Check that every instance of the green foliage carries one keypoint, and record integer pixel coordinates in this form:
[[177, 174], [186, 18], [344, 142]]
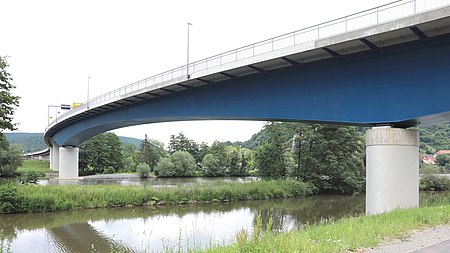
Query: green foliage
[[9, 199], [101, 154], [29, 177], [151, 151], [10, 158], [9, 103], [182, 143], [36, 198], [143, 169], [429, 169], [434, 138], [270, 157], [212, 166], [178, 164], [431, 182], [331, 157], [131, 157], [443, 161], [348, 234]]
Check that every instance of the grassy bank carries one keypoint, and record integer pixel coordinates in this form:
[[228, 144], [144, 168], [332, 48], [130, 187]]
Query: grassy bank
[[39, 166], [348, 234], [35, 198]]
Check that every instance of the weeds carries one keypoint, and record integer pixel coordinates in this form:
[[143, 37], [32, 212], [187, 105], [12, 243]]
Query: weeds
[[35, 198]]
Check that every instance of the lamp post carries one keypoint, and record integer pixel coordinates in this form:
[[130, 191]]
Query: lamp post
[[187, 65], [87, 101]]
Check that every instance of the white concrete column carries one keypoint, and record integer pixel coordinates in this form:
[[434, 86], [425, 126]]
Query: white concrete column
[[54, 157], [68, 163], [392, 169]]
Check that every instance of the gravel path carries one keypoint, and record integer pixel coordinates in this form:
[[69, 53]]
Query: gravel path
[[416, 241]]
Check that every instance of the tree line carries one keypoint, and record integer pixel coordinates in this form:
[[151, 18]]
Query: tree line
[[330, 157]]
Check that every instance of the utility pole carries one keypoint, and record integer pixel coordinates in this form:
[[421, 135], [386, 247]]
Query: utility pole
[[87, 101], [187, 65]]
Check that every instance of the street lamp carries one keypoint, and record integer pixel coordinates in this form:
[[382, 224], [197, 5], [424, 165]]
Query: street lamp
[[87, 101], [187, 65]]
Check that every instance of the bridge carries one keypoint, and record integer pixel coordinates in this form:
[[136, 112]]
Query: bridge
[[373, 68]]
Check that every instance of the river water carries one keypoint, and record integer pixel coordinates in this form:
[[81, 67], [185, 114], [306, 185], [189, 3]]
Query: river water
[[156, 229]]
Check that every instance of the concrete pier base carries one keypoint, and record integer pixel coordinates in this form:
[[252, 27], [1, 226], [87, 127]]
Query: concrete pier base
[[68, 163], [54, 157], [392, 166]]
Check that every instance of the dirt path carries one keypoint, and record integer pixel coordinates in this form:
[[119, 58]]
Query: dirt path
[[417, 240]]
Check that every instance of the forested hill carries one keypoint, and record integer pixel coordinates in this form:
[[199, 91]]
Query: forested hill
[[31, 142], [432, 138]]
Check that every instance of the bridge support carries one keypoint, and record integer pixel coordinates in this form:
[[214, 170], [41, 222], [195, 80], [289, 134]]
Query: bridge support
[[54, 157], [392, 166], [68, 162]]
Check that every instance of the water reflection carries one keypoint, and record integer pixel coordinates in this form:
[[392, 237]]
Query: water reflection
[[154, 229], [157, 228]]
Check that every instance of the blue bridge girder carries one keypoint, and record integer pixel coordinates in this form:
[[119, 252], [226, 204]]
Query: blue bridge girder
[[403, 84]]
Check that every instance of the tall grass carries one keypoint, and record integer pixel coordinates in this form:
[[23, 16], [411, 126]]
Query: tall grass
[[40, 166], [35, 198], [348, 234]]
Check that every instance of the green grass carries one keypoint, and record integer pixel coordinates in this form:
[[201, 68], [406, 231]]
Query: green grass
[[35, 198], [39, 166], [348, 234]]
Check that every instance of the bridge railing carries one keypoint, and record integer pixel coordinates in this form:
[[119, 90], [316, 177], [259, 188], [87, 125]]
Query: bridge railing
[[374, 16]]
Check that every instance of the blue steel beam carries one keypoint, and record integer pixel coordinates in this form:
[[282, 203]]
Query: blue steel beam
[[388, 87]]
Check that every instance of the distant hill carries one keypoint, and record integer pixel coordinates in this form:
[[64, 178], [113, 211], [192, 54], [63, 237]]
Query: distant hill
[[31, 142], [432, 138]]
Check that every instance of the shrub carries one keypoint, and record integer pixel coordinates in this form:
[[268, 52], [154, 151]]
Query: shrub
[[9, 199], [212, 166], [30, 177], [178, 164], [143, 169], [434, 183]]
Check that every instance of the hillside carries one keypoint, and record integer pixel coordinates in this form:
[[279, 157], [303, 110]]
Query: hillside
[[432, 138], [31, 142]]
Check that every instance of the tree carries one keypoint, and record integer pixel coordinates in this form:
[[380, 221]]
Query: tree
[[330, 157], [8, 101], [211, 166], [443, 161], [101, 154], [10, 158], [131, 157], [182, 143], [178, 164], [151, 151], [269, 158]]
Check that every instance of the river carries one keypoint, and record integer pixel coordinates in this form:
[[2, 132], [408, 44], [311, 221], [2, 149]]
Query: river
[[156, 229]]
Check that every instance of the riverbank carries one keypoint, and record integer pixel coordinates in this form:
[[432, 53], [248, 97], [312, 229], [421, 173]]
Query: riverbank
[[353, 234], [36, 198]]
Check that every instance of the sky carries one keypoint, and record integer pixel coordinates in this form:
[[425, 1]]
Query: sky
[[54, 46]]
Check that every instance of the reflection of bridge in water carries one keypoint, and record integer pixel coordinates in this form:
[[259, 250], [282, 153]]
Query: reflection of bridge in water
[[76, 231]]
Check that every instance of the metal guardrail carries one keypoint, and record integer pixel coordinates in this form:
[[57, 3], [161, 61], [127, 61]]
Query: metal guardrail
[[374, 16]]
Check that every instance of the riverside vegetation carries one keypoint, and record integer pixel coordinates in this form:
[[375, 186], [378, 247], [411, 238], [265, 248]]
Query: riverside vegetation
[[35, 198]]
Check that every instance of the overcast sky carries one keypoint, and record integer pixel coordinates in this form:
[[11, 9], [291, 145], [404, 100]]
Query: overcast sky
[[53, 46]]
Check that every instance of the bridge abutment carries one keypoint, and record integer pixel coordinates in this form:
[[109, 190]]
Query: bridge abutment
[[68, 162], [54, 157], [392, 169]]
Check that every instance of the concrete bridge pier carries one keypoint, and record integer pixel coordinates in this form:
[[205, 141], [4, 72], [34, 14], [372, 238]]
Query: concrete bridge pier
[[392, 169], [68, 162], [54, 157]]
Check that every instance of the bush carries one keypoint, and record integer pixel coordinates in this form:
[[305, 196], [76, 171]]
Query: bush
[[10, 159], [143, 169], [178, 164], [30, 177], [9, 199], [434, 183], [212, 166]]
